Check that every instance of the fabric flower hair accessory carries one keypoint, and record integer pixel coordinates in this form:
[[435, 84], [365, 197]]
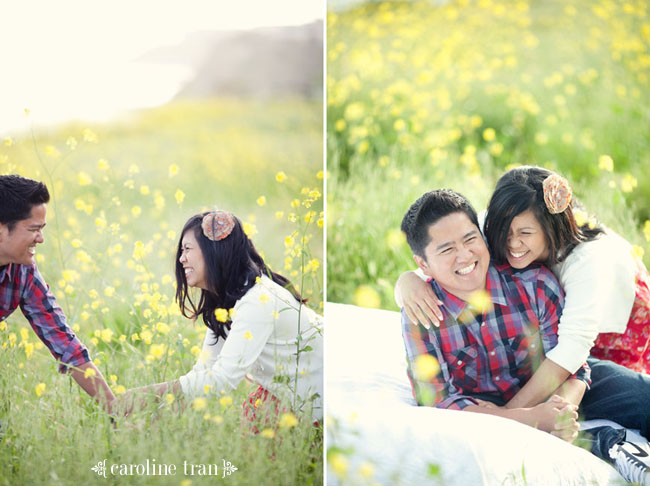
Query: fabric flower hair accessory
[[557, 193], [217, 225]]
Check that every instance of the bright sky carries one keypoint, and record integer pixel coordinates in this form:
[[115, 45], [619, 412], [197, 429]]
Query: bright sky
[[73, 58]]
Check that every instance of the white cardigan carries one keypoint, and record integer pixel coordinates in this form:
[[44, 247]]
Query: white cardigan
[[598, 278], [262, 345]]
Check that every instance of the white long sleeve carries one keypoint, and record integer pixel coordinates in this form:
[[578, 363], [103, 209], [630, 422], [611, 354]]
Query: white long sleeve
[[598, 278], [262, 344]]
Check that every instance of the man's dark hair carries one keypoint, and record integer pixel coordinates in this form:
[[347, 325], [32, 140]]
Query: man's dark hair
[[18, 195], [427, 210]]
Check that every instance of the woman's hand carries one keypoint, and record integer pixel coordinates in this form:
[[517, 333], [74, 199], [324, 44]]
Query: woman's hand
[[418, 300]]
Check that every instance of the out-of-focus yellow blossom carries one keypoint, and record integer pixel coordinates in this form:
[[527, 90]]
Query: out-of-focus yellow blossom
[[426, 367], [339, 464], [173, 170], [280, 176], [119, 389], [366, 296], [89, 373], [248, 335], [605, 162], [221, 315], [287, 421], [39, 389], [629, 183], [261, 201], [267, 433], [84, 179], [225, 401], [480, 300], [199, 404], [179, 196]]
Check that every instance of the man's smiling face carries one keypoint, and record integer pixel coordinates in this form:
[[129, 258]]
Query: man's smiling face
[[456, 256], [19, 244]]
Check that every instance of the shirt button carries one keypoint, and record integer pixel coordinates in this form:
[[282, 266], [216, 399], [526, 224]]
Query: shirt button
[[482, 324], [532, 346], [492, 353], [497, 378], [459, 362]]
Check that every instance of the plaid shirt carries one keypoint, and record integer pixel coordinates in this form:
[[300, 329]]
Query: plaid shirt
[[23, 285], [489, 355]]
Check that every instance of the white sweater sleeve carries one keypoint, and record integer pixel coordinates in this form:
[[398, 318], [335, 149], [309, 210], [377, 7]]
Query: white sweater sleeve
[[225, 368], [598, 279]]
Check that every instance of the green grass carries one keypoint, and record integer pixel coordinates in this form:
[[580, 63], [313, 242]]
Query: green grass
[[423, 96], [108, 255]]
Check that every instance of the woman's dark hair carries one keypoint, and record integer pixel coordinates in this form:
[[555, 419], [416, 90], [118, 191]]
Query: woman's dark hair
[[519, 190], [231, 267], [18, 195]]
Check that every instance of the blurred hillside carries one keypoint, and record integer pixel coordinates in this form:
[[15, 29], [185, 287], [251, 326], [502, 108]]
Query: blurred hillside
[[262, 63]]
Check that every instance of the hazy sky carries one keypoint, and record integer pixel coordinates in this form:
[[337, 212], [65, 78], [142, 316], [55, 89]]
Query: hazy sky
[[68, 58]]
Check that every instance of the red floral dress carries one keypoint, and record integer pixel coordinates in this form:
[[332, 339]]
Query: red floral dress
[[632, 348]]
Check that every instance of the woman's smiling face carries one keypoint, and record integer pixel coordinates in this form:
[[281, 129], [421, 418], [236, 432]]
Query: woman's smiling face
[[526, 241], [192, 260]]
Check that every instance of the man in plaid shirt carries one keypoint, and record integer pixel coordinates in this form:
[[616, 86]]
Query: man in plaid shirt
[[22, 219], [498, 322]]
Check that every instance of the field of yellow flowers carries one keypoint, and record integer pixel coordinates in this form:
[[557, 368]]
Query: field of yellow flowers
[[121, 193], [423, 95]]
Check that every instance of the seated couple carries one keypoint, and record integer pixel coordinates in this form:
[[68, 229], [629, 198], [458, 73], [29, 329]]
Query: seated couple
[[523, 352], [255, 317]]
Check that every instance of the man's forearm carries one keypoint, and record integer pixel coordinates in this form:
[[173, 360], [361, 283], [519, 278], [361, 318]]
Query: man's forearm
[[93, 383]]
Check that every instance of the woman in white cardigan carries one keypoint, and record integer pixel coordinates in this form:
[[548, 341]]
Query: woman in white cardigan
[[531, 218], [257, 322]]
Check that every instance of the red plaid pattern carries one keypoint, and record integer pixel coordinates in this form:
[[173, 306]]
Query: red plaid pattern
[[490, 354], [23, 286]]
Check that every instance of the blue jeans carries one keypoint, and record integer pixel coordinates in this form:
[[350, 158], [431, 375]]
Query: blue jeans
[[617, 394]]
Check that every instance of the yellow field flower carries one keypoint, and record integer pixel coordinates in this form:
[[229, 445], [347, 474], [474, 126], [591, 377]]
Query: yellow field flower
[[84, 179], [169, 398], [53, 152], [261, 201], [339, 464], [606, 163], [395, 239], [248, 335], [217, 419], [646, 230], [173, 170], [157, 351], [366, 470], [267, 433], [280, 176], [250, 229], [8, 142], [366, 296], [480, 300], [107, 335], [119, 389], [179, 196], [287, 421], [89, 135], [109, 291], [89, 373], [264, 298], [39, 389], [629, 183], [225, 401], [195, 350], [29, 349], [199, 404], [426, 367], [221, 315]]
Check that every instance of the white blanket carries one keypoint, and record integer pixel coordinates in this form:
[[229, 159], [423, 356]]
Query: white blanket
[[384, 438]]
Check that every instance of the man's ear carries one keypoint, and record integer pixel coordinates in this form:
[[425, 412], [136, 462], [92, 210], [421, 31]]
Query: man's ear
[[4, 232], [420, 262]]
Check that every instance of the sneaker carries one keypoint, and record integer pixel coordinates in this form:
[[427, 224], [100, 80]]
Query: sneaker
[[632, 460]]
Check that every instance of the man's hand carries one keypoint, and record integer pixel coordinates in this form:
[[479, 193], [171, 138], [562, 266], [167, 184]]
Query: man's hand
[[558, 417]]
